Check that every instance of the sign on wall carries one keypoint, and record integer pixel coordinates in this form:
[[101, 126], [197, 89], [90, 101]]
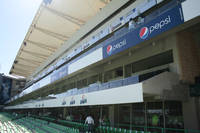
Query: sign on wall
[[160, 24]]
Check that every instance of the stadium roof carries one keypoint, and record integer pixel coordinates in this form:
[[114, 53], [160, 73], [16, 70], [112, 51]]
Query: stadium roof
[[54, 23]]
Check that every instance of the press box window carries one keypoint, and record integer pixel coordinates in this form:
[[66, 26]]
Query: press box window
[[118, 72], [153, 61]]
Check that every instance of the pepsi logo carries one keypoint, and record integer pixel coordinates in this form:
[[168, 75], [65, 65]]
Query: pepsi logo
[[112, 48], [109, 49], [144, 32]]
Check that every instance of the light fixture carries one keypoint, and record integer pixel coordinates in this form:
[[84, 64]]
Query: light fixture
[[15, 61]]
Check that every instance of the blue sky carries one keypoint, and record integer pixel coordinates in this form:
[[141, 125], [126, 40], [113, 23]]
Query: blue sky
[[15, 18]]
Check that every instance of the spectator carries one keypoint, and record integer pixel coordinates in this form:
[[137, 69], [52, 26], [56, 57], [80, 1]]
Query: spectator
[[155, 120], [131, 24], [69, 117], [105, 121], [90, 121], [100, 121]]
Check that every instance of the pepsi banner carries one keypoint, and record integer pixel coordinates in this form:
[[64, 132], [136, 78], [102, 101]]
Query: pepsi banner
[[166, 21]]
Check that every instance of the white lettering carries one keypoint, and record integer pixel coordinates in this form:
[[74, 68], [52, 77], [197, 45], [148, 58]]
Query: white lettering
[[119, 45], [160, 25]]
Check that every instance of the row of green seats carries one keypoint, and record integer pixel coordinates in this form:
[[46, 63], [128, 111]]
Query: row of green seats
[[57, 126], [8, 126], [22, 128], [49, 127], [73, 124], [48, 118], [23, 125], [64, 128]]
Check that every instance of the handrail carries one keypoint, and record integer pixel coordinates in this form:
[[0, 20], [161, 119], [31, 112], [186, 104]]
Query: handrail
[[162, 129]]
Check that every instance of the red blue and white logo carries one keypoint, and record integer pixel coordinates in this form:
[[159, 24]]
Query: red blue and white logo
[[109, 49], [144, 32]]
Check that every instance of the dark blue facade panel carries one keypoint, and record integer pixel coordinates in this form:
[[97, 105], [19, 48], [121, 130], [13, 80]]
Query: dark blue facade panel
[[131, 80], [60, 73], [5, 88]]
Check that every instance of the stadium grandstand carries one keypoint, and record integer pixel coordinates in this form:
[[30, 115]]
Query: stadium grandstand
[[132, 65]]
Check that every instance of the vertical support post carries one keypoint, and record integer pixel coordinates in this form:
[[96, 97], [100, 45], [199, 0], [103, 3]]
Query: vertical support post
[[101, 112], [64, 112], [131, 116], [103, 74], [145, 114], [123, 71], [163, 108]]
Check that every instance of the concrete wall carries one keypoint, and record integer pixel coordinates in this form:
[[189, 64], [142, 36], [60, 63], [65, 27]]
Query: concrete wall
[[188, 56], [190, 114]]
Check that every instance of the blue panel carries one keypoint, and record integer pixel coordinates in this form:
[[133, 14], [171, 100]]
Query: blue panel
[[104, 86], [93, 88], [131, 80], [165, 21], [63, 71], [60, 73], [116, 83]]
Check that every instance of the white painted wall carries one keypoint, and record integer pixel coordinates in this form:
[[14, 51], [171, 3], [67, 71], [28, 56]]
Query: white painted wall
[[125, 94], [45, 81], [87, 60], [157, 84], [191, 9]]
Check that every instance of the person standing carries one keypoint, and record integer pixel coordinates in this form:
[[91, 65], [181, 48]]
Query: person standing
[[90, 121]]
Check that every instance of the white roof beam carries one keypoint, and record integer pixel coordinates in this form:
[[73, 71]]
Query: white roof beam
[[43, 46], [27, 66], [105, 1], [20, 73], [72, 19], [30, 61], [51, 33], [23, 70], [39, 55]]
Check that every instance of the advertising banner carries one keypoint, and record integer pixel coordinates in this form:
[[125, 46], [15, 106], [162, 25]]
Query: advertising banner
[[166, 21]]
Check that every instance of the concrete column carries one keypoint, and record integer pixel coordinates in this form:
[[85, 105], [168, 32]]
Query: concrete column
[[190, 115], [111, 114], [64, 112], [188, 56], [114, 115]]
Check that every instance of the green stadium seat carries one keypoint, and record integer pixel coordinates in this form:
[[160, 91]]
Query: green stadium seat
[[39, 130]]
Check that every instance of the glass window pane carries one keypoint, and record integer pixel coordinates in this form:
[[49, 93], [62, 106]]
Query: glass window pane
[[124, 116], [173, 114], [138, 116]]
